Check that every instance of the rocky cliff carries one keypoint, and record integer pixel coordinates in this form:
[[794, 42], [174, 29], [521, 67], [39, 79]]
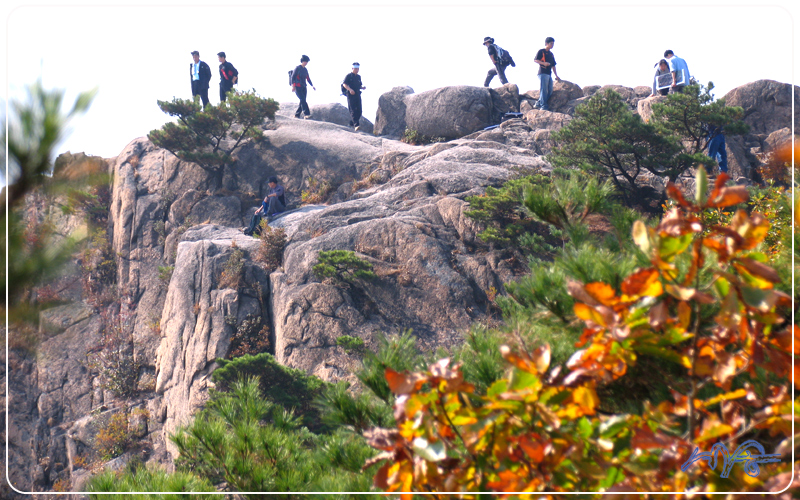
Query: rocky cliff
[[398, 206]]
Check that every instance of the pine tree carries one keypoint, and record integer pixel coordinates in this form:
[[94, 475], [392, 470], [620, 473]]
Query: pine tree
[[210, 137]]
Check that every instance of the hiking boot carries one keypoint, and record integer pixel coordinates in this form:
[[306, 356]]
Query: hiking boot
[[307, 117], [358, 127]]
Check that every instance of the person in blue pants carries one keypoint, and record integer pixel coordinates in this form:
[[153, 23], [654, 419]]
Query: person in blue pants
[[716, 148], [273, 204], [547, 65]]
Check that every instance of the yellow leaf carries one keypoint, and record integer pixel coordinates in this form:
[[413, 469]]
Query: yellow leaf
[[586, 398]]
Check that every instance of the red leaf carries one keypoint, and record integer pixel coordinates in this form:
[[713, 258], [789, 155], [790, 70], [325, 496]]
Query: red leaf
[[728, 196]]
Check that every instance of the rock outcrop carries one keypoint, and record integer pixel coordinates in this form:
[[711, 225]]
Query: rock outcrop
[[330, 113], [173, 231]]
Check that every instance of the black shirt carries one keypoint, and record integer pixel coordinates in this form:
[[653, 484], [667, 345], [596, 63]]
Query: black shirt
[[493, 51], [227, 72], [353, 81], [545, 56]]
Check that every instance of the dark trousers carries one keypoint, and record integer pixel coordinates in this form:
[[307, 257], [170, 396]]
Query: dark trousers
[[354, 105], [499, 70], [201, 89], [224, 88], [302, 92], [255, 222], [718, 153]]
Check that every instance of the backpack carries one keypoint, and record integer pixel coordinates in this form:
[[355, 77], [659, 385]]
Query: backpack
[[290, 77], [344, 90], [504, 56]]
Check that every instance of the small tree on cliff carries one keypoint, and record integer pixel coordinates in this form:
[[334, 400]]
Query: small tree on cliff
[[607, 138], [209, 138]]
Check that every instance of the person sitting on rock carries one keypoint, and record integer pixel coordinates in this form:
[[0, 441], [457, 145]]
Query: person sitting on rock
[[273, 204]]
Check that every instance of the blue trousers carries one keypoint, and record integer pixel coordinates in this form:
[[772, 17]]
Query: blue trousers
[[545, 89], [716, 150]]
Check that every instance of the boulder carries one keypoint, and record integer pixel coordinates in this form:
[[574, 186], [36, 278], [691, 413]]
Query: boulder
[[331, 113], [505, 98], [449, 112], [628, 94], [541, 119], [391, 116], [767, 105], [563, 92], [590, 90], [645, 106]]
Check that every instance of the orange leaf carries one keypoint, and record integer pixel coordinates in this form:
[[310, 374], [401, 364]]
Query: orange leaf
[[602, 292], [684, 314], [577, 292], [588, 313], [533, 449], [645, 439], [675, 193], [728, 196], [402, 383], [642, 283], [586, 398]]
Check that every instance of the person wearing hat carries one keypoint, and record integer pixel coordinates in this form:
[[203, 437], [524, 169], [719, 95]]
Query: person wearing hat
[[352, 84], [298, 80], [273, 204], [499, 66], [228, 76], [200, 75]]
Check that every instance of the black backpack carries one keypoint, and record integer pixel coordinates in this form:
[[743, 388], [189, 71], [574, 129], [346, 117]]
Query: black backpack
[[504, 56], [344, 90]]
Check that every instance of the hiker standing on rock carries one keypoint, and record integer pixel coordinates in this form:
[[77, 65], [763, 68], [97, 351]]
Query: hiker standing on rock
[[352, 84], [547, 64], [501, 60], [680, 71], [200, 75], [228, 76], [298, 80]]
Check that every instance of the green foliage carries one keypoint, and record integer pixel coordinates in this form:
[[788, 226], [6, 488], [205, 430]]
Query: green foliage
[[413, 137], [398, 352], [143, 480], [502, 211], [284, 386], [687, 116], [607, 138], [342, 266], [209, 137], [360, 412], [165, 273], [252, 444], [350, 344], [231, 276], [569, 198], [113, 438], [270, 252]]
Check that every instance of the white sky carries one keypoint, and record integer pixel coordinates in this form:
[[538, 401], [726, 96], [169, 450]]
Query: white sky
[[135, 55]]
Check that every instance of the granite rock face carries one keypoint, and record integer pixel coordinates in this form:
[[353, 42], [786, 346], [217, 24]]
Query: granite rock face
[[174, 233]]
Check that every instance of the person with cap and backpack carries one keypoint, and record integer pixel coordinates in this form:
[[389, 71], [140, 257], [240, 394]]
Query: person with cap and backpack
[[228, 76], [547, 65], [273, 204], [200, 76], [351, 87], [501, 60], [297, 79]]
